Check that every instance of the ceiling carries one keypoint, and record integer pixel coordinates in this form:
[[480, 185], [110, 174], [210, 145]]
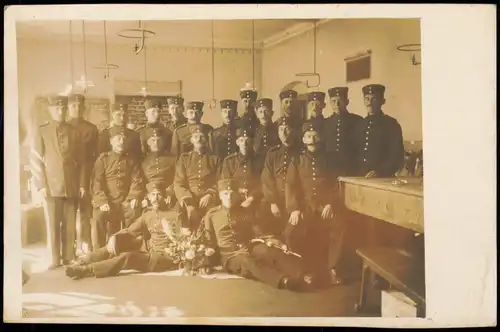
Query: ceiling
[[193, 33]]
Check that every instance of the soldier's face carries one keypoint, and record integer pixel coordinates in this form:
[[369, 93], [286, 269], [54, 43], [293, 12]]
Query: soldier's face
[[247, 103], [338, 104], [244, 144], [311, 138], [373, 103], [118, 118], [285, 133], [75, 110], [264, 114], [315, 108], [175, 110], [155, 198], [228, 115], [153, 114], [228, 198], [198, 140], [193, 115], [286, 105], [118, 143], [58, 113], [155, 144], [131, 126]]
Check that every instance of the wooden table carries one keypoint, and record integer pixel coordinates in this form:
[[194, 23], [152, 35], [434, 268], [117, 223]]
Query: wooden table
[[401, 205]]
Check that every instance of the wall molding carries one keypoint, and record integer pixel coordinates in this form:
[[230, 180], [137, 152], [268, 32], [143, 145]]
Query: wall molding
[[293, 31]]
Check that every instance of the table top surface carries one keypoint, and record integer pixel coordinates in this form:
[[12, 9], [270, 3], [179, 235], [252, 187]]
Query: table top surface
[[407, 185]]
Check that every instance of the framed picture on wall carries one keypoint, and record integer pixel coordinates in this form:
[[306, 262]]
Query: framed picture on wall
[[358, 67]]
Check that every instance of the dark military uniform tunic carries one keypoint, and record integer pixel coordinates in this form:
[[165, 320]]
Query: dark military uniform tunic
[[230, 231], [265, 138], [159, 168], [340, 142], [250, 121], [379, 145], [225, 140], [181, 140], [171, 126], [133, 142], [195, 176], [146, 131], [117, 181], [155, 259], [246, 171]]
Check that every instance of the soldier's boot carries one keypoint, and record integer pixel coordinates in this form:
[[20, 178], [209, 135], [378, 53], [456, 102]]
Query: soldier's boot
[[304, 284], [78, 271]]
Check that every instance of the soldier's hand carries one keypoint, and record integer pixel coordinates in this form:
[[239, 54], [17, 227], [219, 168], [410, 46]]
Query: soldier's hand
[[111, 246], [205, 200], [247, 202], [82, 192], [43, 192], [133, 203], [104, 207], [168, 200], [327, 212], [278, 243], [144, 203], [371, 174], [275, 210], [294, 217]]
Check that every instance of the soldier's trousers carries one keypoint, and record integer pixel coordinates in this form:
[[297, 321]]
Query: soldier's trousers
[[61, 212], [105, 265], [270, 223], [269, 265], [105, 224], [84, 205]]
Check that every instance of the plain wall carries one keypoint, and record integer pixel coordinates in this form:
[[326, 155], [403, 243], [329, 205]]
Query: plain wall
[[339, 39]]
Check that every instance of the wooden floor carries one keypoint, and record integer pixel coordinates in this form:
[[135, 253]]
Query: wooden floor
[[51, 294]]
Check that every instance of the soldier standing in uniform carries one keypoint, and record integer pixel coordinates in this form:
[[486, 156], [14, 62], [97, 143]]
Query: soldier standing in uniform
[[249, 119], [379, 138], [273, 177], [117, 189], [315, 106], [159, 167], [181, 140], [177, 118], [123, 248], [229, 229], [195, 180], [89, 135], [153, 108], [316, 223], [340, 132], [244, 169], [225, 135], [118, 120], [266, 135], [57, 164]]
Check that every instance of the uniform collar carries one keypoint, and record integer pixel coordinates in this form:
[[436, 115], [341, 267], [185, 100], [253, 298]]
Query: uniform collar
[[245, 157], [376, 115]]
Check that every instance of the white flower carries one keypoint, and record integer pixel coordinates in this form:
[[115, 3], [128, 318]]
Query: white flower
[[185, 231], [209, 252], [189, 254]]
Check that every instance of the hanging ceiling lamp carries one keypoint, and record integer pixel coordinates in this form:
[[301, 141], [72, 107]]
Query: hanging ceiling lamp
[[106, 66], [314, 73], [213, 102], [251, 86], [84, 83], [144, 90], [140, 34]]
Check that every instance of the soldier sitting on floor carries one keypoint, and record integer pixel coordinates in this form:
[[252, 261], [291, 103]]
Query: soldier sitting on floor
[[123, 249], [245, 250]]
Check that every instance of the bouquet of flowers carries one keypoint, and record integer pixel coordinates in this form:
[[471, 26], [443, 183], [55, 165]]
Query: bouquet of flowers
[[190, 252]]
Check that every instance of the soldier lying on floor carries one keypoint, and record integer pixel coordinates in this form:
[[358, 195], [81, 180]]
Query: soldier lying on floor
[[229, 229], [123, 251]]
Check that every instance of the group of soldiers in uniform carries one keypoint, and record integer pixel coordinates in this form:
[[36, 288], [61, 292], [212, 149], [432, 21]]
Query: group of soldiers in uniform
[[263, 193]]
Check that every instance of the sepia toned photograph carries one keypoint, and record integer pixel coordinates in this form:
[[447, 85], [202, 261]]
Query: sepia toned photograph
[[190, 168]]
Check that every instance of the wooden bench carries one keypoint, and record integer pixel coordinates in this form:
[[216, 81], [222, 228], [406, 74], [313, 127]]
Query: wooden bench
[[401, 270]]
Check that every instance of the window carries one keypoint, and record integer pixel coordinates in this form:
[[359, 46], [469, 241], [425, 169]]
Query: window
[[358, 67]]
